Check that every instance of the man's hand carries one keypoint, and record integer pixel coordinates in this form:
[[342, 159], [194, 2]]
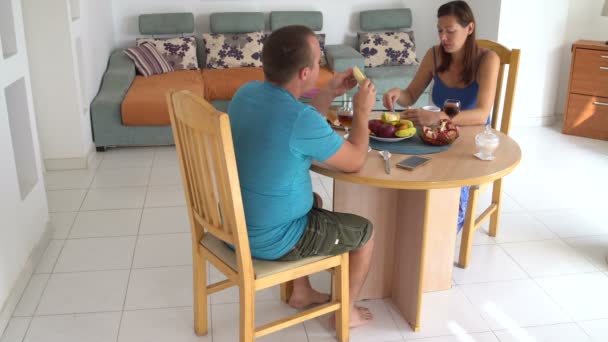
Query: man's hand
[[365, 98], [421, 117], [342, 82]]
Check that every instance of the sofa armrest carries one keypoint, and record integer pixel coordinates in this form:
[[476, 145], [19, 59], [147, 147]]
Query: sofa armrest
[[342, 57], [116, 81]]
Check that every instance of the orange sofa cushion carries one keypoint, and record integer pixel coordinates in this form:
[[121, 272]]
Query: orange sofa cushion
[[221, 84], [145, 104]]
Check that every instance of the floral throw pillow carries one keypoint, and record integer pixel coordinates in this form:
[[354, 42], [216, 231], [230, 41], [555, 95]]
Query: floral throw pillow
[[180, 52], [387, 48], [233, 50]]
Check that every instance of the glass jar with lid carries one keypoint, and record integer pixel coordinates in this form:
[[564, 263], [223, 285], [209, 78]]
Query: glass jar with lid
[[486, 142]]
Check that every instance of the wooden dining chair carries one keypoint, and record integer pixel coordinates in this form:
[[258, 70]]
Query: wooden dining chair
[[208, 167], [508, 58]]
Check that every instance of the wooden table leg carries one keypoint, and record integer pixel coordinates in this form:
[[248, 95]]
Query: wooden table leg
[[425, 248], [415, 238]]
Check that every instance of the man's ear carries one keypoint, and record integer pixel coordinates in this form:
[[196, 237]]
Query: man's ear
[[304, 73]]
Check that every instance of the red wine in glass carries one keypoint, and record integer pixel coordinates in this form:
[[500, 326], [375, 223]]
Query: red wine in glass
[[451, 107]]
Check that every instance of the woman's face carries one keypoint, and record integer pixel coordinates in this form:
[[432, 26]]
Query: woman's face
[[451, 35]]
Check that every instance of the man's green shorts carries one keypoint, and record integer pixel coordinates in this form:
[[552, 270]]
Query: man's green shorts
[[330, 233]]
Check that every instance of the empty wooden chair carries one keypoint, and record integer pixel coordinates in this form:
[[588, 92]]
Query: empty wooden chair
[[472, 221]]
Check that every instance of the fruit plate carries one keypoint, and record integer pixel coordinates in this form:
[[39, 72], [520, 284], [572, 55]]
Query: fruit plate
[[389, 139], [340, 127]]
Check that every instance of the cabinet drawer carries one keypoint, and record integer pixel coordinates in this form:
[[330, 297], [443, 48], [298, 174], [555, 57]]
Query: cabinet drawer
[[590, 72], [587, 116]]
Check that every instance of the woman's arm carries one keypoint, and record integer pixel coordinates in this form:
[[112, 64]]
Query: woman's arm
[[409, 96], [487, 77]]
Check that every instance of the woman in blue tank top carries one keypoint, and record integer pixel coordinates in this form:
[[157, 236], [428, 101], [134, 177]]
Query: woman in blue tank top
[[460, 69]]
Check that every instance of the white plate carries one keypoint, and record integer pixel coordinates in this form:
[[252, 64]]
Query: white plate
[[389, 139]]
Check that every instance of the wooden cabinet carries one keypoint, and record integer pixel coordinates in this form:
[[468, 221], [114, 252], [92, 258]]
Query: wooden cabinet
[[586, 111]]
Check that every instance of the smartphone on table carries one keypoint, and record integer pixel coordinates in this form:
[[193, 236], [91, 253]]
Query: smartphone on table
[[411, 163]]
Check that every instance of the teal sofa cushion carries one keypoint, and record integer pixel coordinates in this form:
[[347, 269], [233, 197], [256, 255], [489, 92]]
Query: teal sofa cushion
[[310, 19], [387, 77], [386, 20], [166, 23], [342, 57], [236, 22]]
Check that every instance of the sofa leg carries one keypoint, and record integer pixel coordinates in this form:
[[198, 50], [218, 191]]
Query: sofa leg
[[101, 148]]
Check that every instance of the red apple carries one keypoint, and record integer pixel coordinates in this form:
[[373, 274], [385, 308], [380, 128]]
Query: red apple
[[386, 130], [373, 125]]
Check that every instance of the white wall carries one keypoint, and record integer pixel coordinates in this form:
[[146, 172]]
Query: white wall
[[538, 29], [97, 32], [340, 18], [584, 22], [487, 16], [23, 221], [70, 42], [93, 41]]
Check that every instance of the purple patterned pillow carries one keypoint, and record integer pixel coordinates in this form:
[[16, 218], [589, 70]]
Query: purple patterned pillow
[[387, 48], [147, 60], [233, 50], [180, 52], [320, 37]]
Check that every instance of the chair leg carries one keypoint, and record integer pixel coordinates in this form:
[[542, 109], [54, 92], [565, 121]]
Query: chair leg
[[496, 199], [468, 228], [199, 266], [286, 291], [340, 293], [247, 314]]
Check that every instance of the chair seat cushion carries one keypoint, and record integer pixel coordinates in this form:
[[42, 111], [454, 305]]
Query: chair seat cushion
[[261, 268], [145, 104], [387, 77]]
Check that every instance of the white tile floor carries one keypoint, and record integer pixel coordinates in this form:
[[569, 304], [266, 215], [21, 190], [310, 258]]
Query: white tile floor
[[118, 267]]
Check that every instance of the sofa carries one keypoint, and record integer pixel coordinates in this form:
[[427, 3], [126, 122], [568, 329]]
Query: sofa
[[383, 77], [131, 110]]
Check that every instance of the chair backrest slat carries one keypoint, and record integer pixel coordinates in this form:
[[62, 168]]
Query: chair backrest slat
[[204, 178], [510, 58], [204, 144]]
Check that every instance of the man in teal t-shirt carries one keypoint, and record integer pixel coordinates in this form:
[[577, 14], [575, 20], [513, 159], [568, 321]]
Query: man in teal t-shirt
[[276, 138]]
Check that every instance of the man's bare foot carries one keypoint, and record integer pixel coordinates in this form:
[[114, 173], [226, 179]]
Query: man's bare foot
[[365, 312], [358, 316], [307, 297]]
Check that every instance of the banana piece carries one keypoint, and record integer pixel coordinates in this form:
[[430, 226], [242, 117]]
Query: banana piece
[[358, 75]]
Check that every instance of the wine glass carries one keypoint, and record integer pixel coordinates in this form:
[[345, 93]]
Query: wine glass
[[451, 107], [345, 116]]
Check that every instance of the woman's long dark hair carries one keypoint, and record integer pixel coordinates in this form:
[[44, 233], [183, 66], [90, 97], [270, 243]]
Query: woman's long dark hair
[[464, 15]]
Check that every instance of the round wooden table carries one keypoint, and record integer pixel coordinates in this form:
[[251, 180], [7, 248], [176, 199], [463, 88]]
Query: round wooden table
[[415, 215]]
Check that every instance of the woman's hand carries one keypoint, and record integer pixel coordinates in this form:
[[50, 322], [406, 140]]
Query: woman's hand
[[421, 117], [390, 97]]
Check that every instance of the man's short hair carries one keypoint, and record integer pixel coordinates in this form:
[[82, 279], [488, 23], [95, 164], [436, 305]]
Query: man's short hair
[[285, 52]]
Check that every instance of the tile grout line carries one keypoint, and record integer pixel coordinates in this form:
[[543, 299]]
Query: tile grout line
[[141, 214], [105, 311], [115, 209], [29, 325], [118, 236], [540, 287]]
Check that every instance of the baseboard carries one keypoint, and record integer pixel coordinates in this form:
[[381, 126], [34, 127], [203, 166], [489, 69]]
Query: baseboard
[[59, 164], [24, 277]]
